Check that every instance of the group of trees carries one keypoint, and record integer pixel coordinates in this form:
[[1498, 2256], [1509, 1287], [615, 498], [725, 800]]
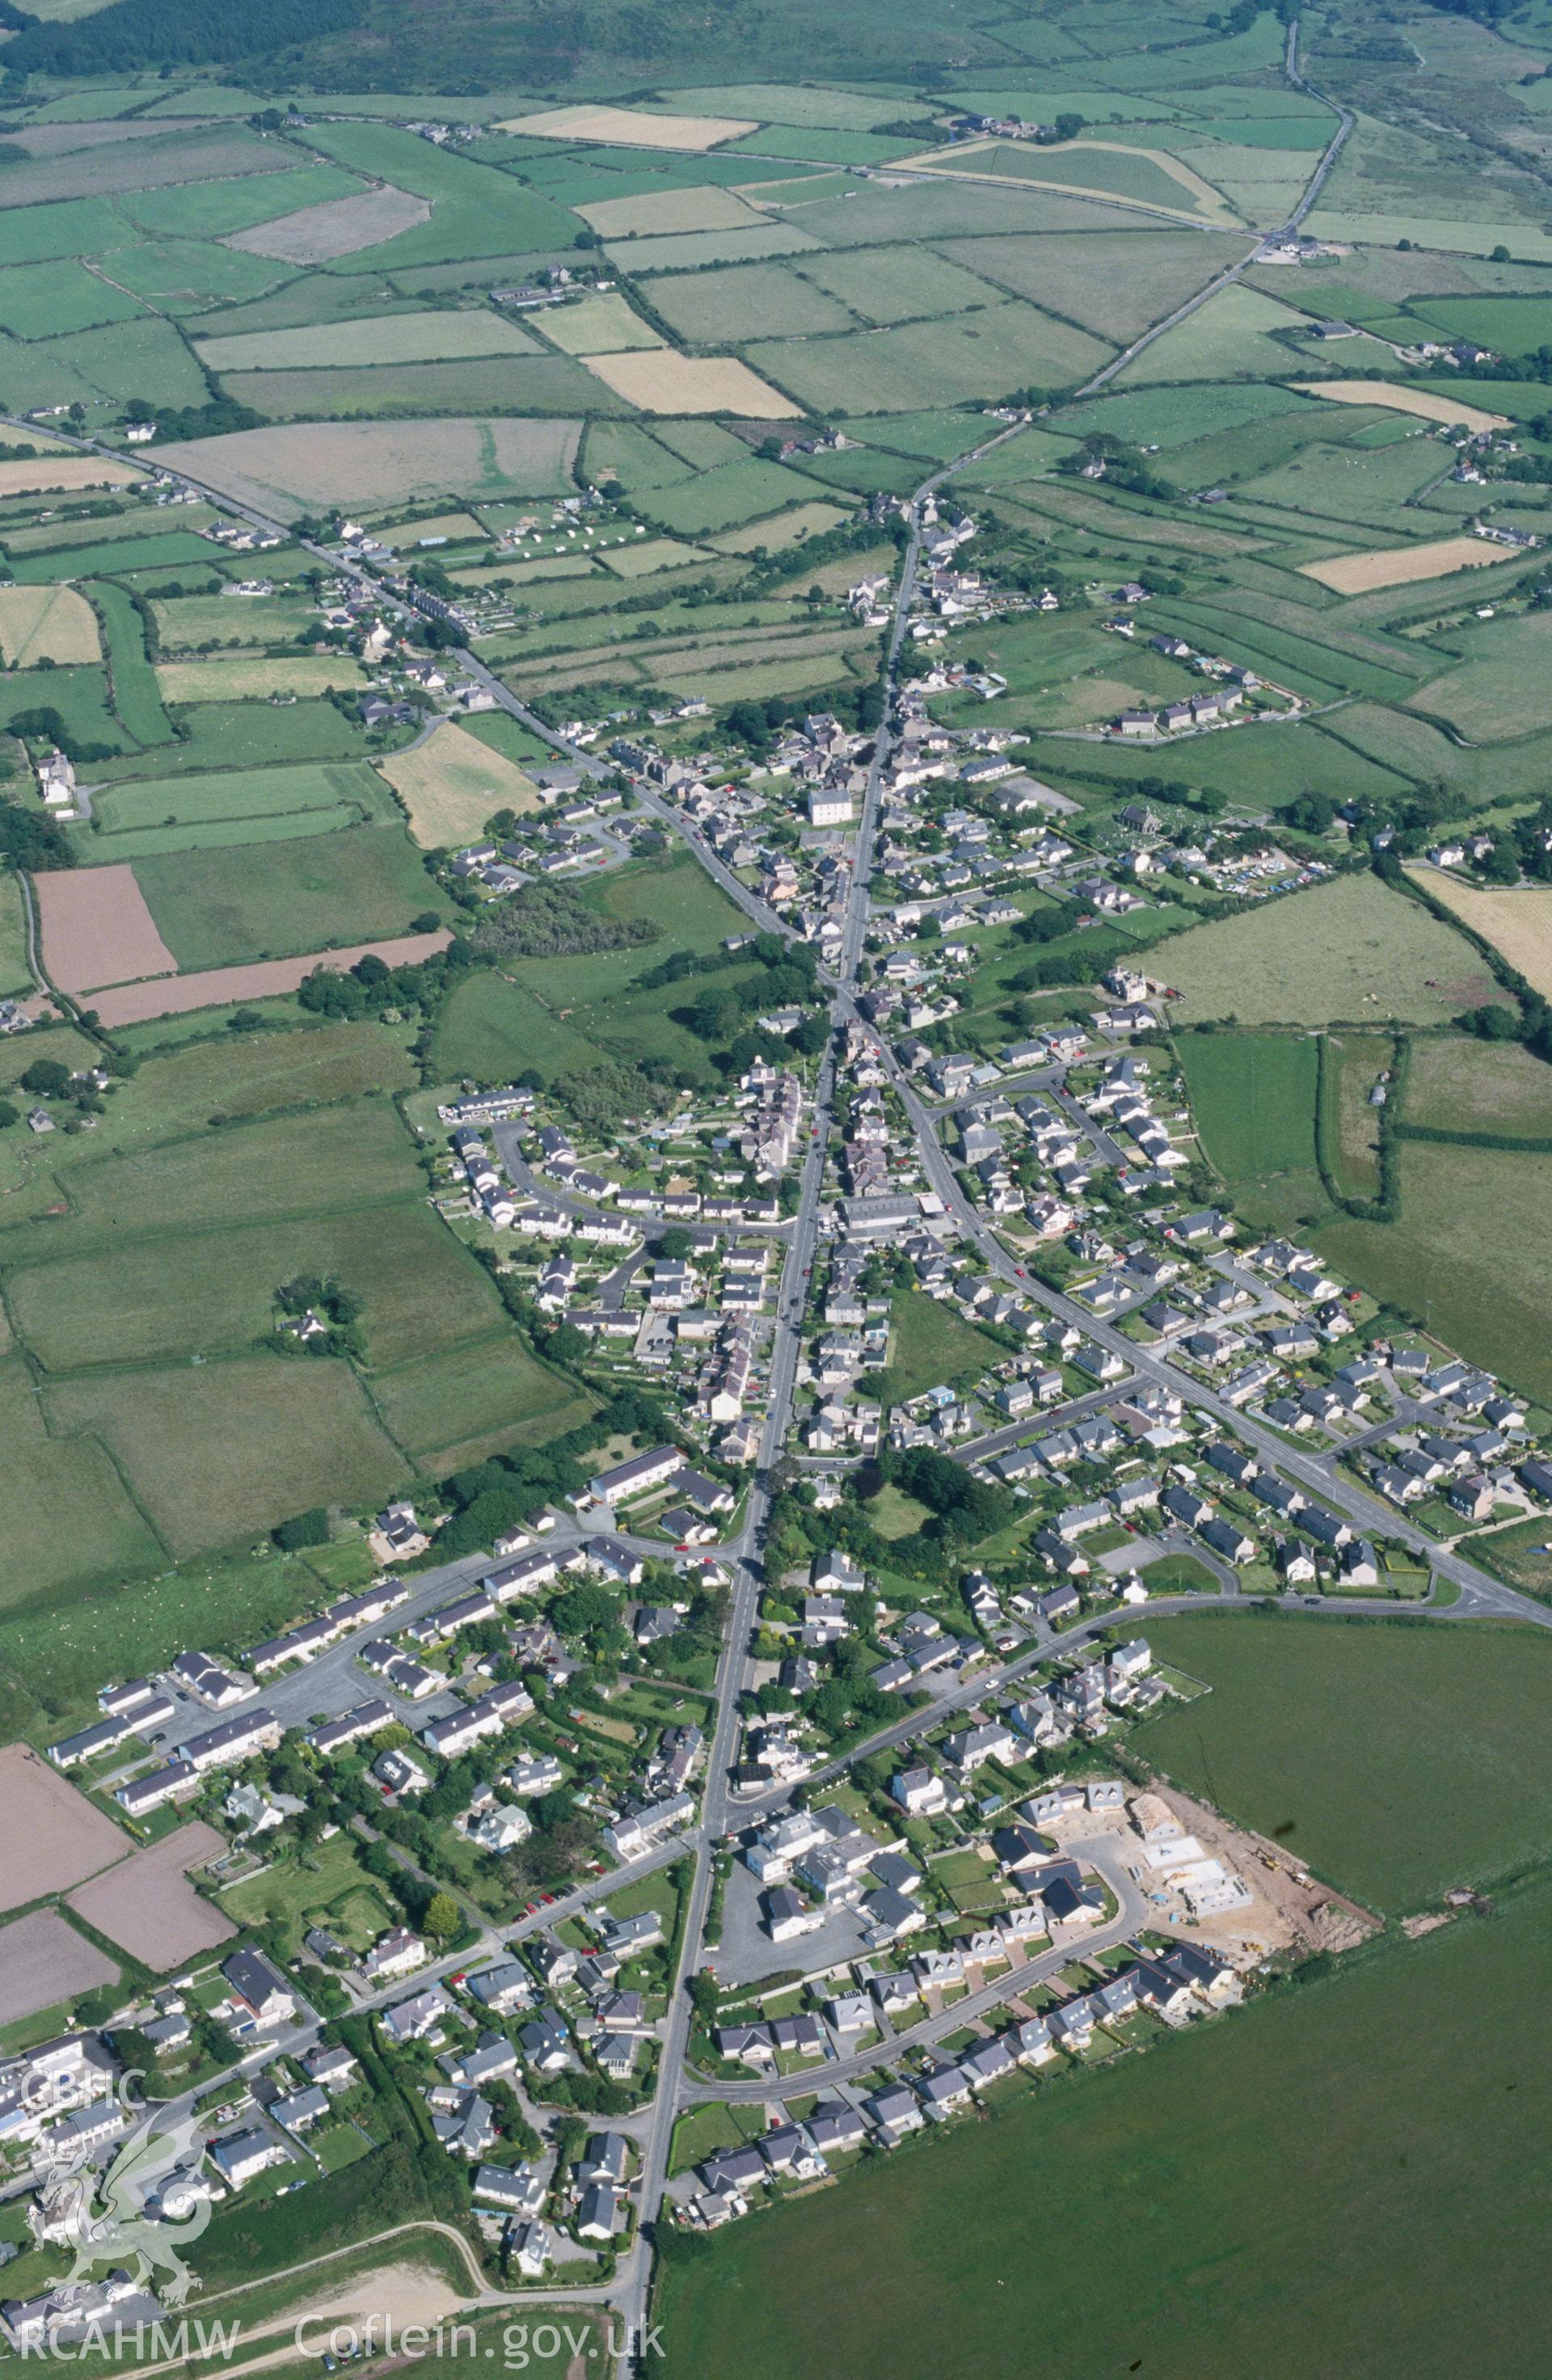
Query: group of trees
[[551, 921], [371, 985], [333, 1305], [502, 1493]]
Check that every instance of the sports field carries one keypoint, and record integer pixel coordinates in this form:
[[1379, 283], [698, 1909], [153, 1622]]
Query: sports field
[[1349, 952], [1311, 2169]]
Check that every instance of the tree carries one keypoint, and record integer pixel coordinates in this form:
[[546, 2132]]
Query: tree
[[442, 1917], [45, 1077], [9, 1115], [304, 1529], [583, 1608], [676, 1244], [1311, 813]]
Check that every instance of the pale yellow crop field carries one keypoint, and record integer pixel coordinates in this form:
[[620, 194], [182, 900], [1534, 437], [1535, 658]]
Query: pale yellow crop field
[[242, 677], [629, 127], [1397, 398], [1399, 566], [788, 528], [52, 624], [661, 380], [704, 208], [451, 783], [46, 472], [596, 325]]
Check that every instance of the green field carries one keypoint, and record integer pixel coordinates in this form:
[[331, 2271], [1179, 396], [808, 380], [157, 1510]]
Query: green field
[[270, 1170], [528, 384], [1226, 339], [930, 1346], [45, 1476], [41, 300], [131, 679], [1350, 951], [213, 908], [881, 286], [184, 276], [1469, 1086], [1389, 1758], [456, 1407], [724, 495], [490, 1029], [1502, 688], [1470, 1221], [273, 1437], [1113, 284], [746, 301], [1252, 1096], [279, 794], [975, 356], [1312, 2169], [206, 1294], [15, 974]]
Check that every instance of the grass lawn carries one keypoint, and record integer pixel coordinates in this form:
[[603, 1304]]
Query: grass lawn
[[14, 973], [1311, 2170], [1252, 1096], [1179, 1574], [1347, 952], [1391, 1760], [895, 1514], [929, 1345], [330, 1887]]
